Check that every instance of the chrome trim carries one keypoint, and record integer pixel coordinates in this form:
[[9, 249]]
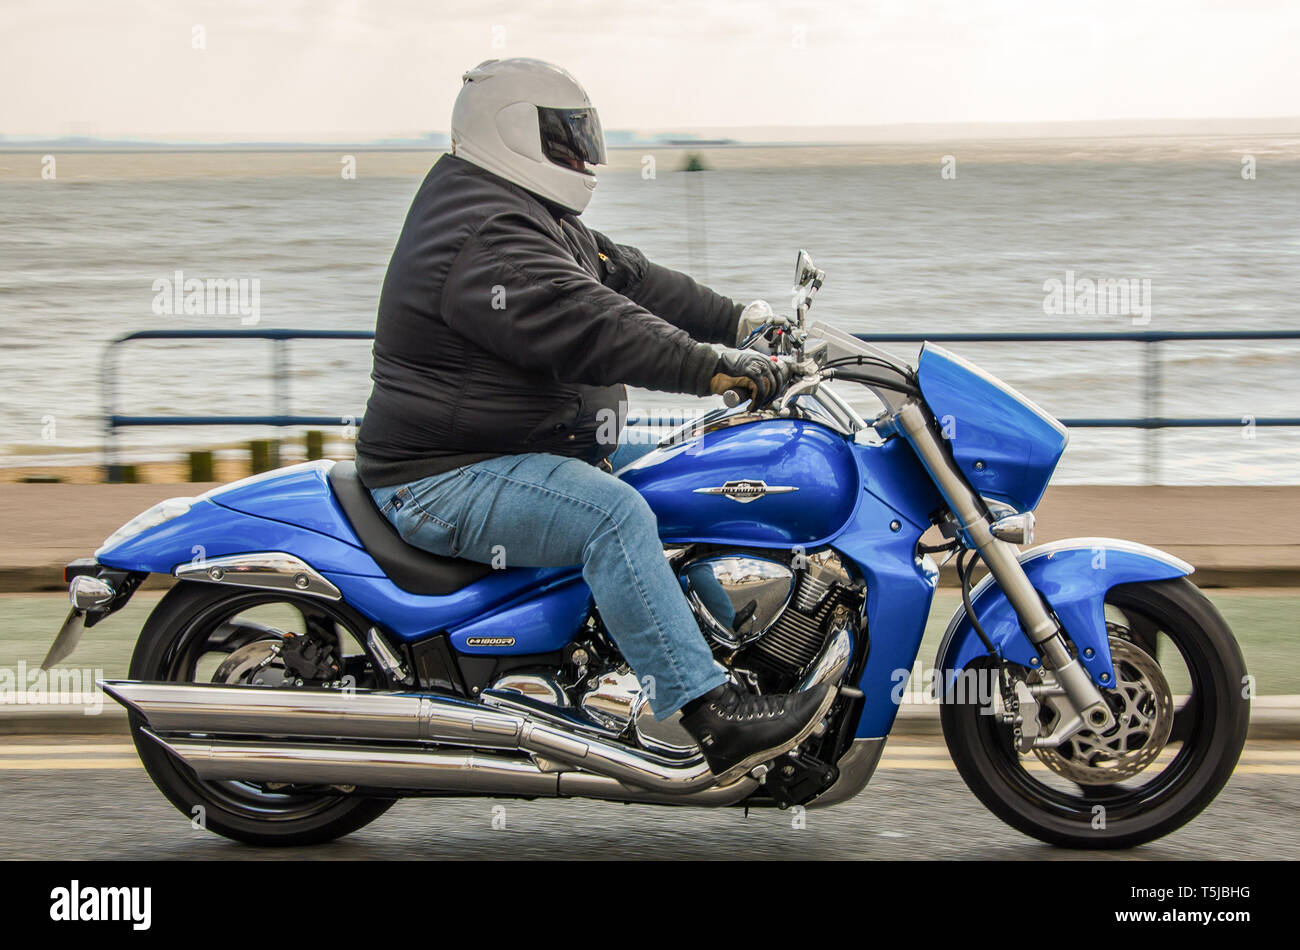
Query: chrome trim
[[433, 770], [831, 662], [831, 399], [506, 698], [586, 785], [390, 662], [667, 736], [270, 570], [1014, 529], [856, 766], [533, 685], [745, 490], [768, 585], [375, 766], [210, 709], [87, 593], [612, 699], [711, 422]]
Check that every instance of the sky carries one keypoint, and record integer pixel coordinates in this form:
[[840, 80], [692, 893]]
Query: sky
[[352, 70]]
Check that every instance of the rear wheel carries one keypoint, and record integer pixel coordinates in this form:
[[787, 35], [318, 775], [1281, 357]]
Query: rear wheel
[[203, 634], [1181, 710]]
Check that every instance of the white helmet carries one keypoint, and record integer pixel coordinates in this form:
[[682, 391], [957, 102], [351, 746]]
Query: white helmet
[[531, 123]]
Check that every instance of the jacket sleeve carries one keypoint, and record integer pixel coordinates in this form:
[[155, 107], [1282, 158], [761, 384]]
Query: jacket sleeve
[[516, 290], [707, 316]]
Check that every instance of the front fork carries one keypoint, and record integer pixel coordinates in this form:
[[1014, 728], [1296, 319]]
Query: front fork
[[1086, 704]]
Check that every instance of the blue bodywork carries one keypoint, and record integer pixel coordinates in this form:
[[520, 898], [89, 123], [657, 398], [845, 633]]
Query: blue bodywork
[[870, 500], [1005, 445], [1074, 576], [293, 510], [785, 453]]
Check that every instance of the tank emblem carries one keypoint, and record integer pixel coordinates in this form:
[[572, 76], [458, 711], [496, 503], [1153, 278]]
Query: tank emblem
[[745, 490], [490, 641]]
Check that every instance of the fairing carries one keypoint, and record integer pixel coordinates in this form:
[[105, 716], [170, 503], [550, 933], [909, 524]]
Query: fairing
[[1006, 446]]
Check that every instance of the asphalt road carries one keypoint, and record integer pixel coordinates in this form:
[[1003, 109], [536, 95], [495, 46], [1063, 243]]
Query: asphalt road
[[87, 798]]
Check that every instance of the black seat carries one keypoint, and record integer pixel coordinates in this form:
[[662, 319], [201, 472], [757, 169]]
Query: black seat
[[413, 570]]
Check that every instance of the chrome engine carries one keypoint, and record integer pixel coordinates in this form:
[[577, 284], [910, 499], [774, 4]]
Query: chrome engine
[[779, 623], [772, 617]]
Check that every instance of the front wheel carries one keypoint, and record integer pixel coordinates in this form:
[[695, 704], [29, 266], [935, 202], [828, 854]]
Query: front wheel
[[1181, 707], [200, 633]]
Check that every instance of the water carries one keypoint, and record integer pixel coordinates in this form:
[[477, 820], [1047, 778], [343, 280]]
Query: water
[[905, 250]]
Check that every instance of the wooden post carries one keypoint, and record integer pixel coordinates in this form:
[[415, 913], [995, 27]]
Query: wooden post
[[201, 468], [123, 474], [315, 445], [261, 455]]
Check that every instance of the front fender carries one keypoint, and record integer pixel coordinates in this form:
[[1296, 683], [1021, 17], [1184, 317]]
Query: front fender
[[1074, 576]]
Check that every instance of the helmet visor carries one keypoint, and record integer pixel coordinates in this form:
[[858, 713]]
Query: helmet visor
[[571, 137]]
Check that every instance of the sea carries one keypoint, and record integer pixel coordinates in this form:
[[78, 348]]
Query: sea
[[1113, 235]]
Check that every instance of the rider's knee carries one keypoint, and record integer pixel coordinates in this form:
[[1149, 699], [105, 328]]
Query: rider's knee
[[629, 512]]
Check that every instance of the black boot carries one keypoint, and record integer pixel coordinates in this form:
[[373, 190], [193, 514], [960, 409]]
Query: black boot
[[737, 730]]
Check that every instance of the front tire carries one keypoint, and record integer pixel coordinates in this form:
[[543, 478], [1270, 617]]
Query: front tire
[[1170, 621], [189, 620]]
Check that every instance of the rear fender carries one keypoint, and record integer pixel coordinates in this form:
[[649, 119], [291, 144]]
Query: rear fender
[[1074, 576], [209, 530]]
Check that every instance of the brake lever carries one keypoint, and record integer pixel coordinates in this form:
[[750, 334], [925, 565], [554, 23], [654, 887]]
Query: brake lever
[[812, 377]]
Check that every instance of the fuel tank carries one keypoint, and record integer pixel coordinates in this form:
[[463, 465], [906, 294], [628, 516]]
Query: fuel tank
[[767, 482]]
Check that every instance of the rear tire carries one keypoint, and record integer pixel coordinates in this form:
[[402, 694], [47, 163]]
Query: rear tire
[[233, 810], [1210, 727]]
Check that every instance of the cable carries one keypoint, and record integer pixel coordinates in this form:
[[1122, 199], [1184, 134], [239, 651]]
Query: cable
[[963, 574], [900, 384]]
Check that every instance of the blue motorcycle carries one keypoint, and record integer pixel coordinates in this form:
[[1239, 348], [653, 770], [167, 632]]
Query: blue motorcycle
[[309, 668]]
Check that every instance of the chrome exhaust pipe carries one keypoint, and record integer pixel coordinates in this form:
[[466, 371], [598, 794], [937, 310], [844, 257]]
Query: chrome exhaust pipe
[[416, 770], [216, 710]]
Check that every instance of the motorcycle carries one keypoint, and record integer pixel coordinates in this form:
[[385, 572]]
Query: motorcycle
[[309, 668]]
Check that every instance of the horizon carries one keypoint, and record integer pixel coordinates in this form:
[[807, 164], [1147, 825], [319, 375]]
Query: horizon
[[733, 136]]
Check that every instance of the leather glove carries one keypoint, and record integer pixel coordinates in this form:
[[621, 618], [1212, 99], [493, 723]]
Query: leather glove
[[756, 373], [755, 315]]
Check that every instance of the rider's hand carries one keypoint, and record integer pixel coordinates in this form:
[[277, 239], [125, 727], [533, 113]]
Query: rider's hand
[[756, 315], [756, 373]]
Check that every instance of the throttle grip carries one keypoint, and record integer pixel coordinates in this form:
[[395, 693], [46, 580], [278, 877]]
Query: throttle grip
[[734, 397]]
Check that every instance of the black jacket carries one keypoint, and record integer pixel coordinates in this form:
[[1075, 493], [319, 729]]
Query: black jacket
[[508, 326]]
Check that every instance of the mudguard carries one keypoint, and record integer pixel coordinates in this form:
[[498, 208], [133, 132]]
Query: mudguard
[[1074, 575]]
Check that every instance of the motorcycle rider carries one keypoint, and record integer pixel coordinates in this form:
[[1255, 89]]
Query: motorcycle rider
[[506, 333]]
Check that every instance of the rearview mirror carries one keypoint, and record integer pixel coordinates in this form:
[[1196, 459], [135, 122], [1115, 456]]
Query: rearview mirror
[[804, 269]]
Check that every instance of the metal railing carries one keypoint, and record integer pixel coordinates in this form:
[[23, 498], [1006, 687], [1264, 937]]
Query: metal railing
[[1153, 421]]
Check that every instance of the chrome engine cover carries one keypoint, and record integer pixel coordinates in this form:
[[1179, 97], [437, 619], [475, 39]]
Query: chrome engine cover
[[782, 613], [617, 702], [738, 596], [535, 686]]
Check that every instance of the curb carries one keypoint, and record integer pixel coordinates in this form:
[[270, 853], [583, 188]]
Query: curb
[[1271, 717]]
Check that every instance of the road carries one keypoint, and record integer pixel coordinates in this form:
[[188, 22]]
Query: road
[[87, 798]]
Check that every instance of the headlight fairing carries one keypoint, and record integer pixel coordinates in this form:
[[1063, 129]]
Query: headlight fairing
[[1006, 446]]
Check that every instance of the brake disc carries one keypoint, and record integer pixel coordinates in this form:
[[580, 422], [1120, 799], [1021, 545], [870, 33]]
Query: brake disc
[[1143, 707], [252, 664]]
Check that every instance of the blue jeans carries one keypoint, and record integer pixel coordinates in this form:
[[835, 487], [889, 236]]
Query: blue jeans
[[543, 510]]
